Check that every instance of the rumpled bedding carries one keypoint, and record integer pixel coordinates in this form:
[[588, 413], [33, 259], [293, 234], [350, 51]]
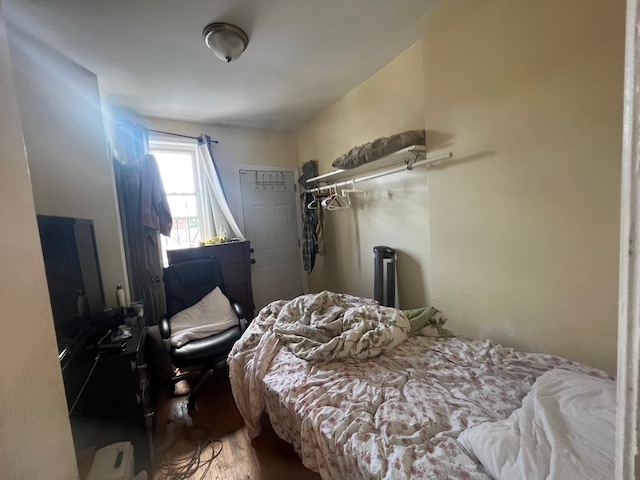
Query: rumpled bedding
[[328, 326], [394, 416], [565, 430]]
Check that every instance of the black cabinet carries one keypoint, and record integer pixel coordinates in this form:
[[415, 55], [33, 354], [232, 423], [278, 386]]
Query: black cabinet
[[108, 396]]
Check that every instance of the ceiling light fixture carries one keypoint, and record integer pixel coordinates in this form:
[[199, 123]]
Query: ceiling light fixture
[[227, 41]]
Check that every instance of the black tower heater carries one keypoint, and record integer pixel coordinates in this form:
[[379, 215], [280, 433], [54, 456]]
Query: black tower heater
[[384, 287]]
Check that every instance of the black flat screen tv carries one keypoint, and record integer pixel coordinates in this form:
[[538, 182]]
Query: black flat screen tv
[[73, 274]]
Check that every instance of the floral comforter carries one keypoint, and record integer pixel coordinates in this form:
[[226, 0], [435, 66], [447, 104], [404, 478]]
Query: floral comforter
[[393, 416]]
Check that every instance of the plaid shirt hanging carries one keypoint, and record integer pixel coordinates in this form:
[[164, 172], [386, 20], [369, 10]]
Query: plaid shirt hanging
[[309, 235]]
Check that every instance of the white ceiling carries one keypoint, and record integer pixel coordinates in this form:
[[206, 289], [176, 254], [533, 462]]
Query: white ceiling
[[149, 56]]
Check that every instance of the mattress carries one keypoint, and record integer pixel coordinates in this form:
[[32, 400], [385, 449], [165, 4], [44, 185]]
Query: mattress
[[397, 415]]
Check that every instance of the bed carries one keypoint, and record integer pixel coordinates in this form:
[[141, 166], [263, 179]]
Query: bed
[[395, 404]]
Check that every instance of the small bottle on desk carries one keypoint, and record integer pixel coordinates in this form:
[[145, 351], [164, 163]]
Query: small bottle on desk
[[120, 300]]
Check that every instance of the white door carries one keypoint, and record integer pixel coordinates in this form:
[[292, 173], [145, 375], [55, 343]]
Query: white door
[[269, 206]]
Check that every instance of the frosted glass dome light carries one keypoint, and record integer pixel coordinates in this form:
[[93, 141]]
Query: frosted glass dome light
[[225, 40]]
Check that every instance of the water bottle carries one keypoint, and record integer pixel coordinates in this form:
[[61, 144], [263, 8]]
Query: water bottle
[[120, 300], [222, 233]]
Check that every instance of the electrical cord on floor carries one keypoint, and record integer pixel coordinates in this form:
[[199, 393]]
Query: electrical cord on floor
[[186, 467]]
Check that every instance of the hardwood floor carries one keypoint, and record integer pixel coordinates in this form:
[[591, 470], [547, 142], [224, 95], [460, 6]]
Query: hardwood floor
[[216, 416]]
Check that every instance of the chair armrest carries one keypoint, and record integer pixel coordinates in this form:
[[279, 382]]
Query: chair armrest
[[237, 307], [165, 327], [241, 314]]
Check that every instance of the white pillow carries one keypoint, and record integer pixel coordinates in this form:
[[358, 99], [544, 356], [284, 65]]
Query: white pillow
[[213, 314], [565, 430]]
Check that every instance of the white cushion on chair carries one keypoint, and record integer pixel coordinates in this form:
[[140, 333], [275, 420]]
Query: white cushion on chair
[[213, 314]]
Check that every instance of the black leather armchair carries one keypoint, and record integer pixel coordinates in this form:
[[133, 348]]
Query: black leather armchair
[[186, 283]]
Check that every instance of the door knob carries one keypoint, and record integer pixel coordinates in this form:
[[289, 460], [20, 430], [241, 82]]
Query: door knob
[[155, 279], [253, 260]]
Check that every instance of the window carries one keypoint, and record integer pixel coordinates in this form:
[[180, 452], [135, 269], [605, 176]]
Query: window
[[178, 168]]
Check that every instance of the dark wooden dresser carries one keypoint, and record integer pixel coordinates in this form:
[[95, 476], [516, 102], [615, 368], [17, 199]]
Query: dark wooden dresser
[[108, 393], [235, 260]]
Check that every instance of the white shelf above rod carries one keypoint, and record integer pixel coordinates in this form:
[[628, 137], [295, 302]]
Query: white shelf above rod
[[411, 154], [407, 166]]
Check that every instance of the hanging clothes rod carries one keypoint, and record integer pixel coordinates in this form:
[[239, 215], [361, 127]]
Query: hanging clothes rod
[[407, 166], [177, 135]]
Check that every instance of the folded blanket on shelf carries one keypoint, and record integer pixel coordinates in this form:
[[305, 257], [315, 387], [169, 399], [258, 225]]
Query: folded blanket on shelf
[[380, 147]]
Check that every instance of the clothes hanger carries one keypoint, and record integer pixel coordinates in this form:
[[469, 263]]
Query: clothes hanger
[[353, 189], [334, 201], [325, 203], [313, 204]]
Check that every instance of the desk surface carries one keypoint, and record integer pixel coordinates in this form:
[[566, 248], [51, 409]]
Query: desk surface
[[101, 326]]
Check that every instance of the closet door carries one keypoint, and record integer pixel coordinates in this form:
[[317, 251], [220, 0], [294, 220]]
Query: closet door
[[142, 249], [270, 210]]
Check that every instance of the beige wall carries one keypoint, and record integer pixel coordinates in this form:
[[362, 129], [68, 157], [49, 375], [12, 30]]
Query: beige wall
[[394, 211], [35, 437], [525, 223], [517, 238], [71, 173], [237, 147]]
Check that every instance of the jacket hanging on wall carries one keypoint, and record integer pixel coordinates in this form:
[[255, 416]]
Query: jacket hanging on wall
[[310, 220], [155, 213], [309, 170]]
